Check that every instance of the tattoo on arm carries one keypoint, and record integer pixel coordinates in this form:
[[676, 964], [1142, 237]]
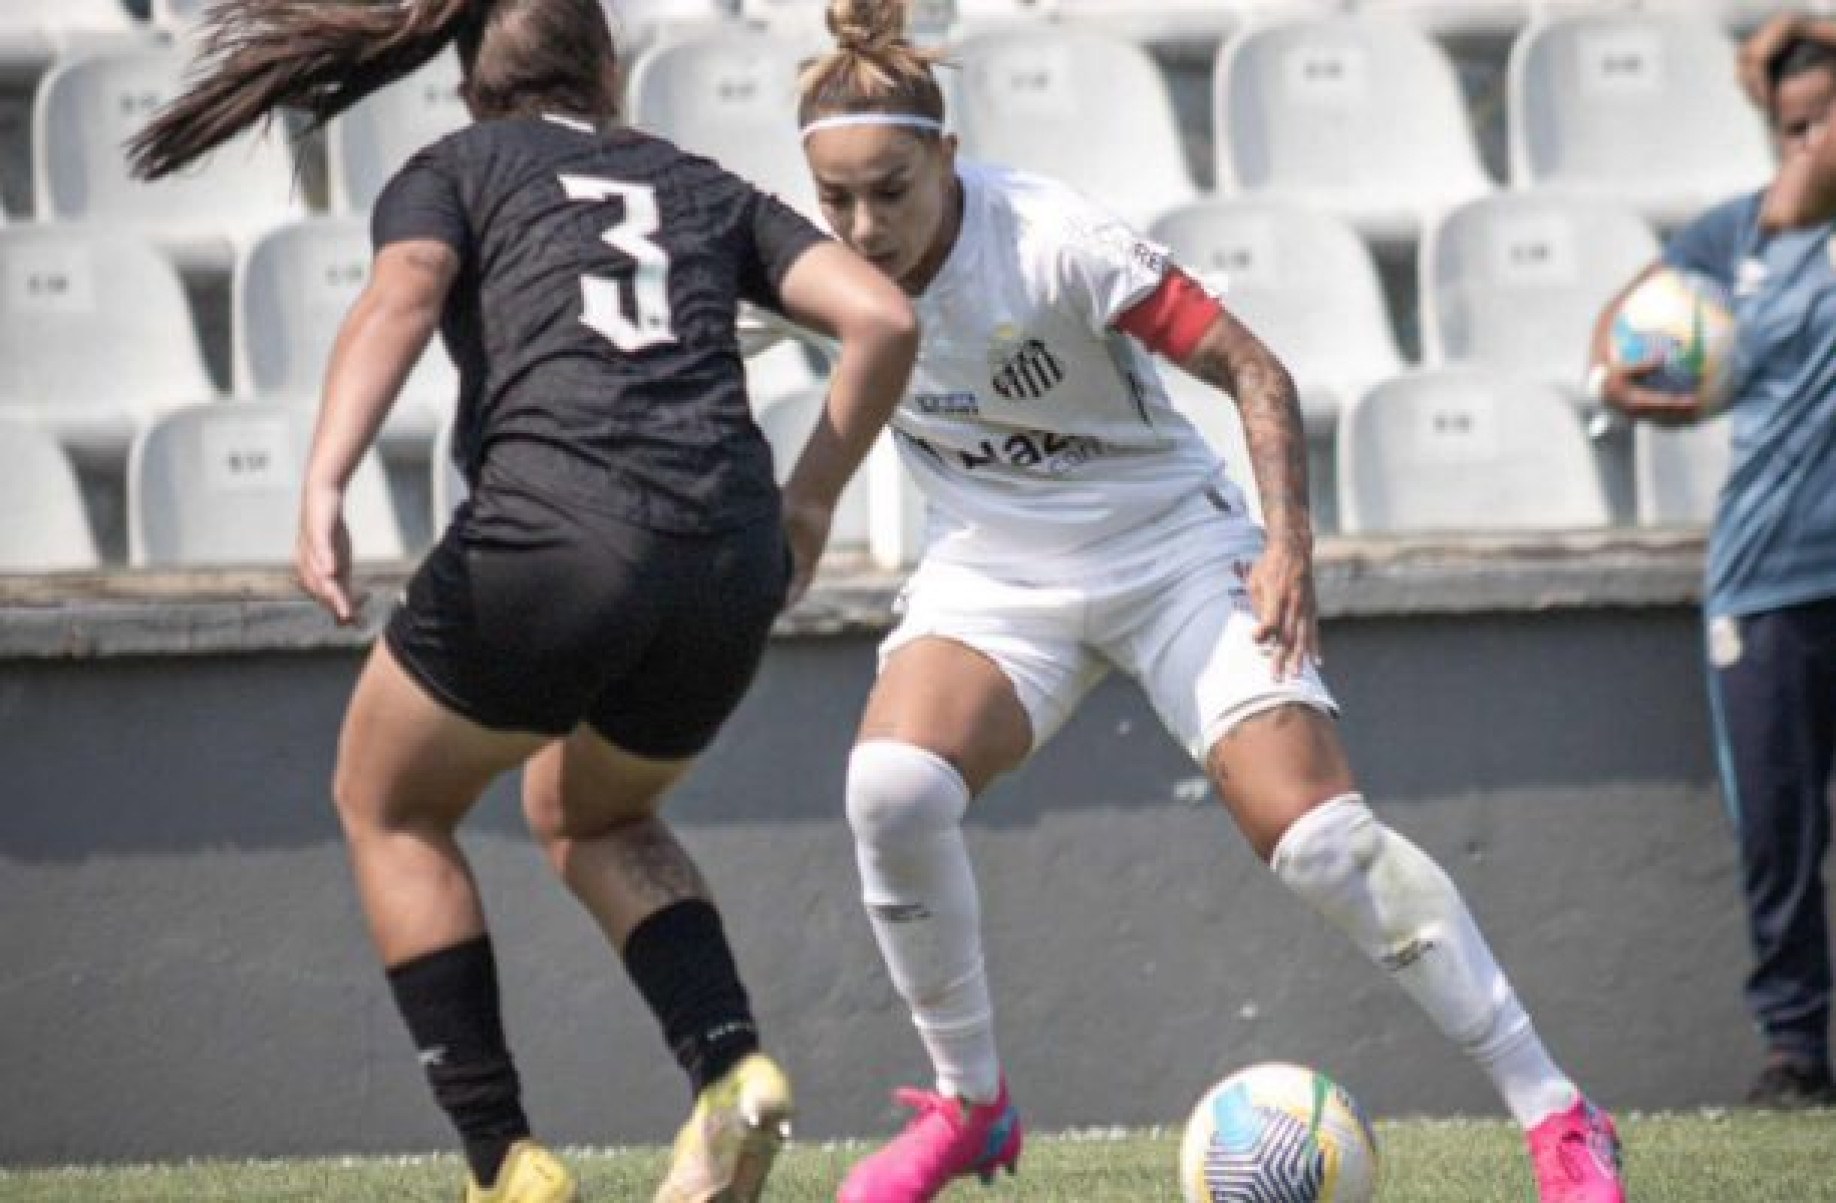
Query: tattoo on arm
[[1231, 358]]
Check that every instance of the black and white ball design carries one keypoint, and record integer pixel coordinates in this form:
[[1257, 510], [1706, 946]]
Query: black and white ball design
[[1277, 1133]]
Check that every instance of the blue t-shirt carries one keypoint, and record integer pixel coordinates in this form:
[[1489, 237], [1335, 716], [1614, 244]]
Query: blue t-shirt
[[1774, 542]]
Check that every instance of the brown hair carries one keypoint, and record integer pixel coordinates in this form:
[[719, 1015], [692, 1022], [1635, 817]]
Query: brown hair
[[518, 57], [873, 68]]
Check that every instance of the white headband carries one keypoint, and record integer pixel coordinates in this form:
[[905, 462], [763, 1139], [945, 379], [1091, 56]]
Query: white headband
[[905, 120]]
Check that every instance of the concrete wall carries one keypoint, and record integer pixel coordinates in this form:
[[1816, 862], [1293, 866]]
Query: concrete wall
[[184, 972]]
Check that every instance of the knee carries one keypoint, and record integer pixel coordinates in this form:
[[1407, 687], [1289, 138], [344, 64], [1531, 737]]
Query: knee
[[1329, 847], [359, 804], [554, 823], [543, 813], [899, 794]]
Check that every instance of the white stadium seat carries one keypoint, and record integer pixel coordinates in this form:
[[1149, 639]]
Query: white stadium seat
[[1677, 474], [1462, 450], [1362, 116], [95, 336], [1028, 99], [86, 108], [1513, 282], [786, 422], [928, 22], [1304, 282], [290, 296], [43, 525], [1640, 109], [1740, 16], [1455, 20], [219, 485], [733, 97], [979, 16], [1737, 16], [637, 24], [34, 34], [1156, 21], [799, 21], [366, 145]]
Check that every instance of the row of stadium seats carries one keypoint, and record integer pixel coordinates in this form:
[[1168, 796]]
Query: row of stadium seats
[[1170, 20], [1454, 450], [33, 32], [1511, 282], [206, 485], [96, 334], [96, 337], [1362, 117]]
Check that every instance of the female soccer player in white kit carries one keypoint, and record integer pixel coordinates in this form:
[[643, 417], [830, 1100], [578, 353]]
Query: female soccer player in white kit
[[1079, 522]]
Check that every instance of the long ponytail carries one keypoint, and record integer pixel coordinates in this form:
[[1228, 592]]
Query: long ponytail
[[317, 56]]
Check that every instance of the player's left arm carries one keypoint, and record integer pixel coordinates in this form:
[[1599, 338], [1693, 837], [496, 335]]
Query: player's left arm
[[1182, 321]]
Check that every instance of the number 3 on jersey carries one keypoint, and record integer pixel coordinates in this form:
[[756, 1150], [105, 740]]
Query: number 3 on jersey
[[602, 307]]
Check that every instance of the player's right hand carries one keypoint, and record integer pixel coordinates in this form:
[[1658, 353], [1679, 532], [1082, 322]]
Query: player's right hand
[[806, 529], [1624, 392], [322, 555]]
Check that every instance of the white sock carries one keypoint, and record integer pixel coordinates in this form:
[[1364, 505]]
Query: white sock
[[906, 806], [1406, 914]]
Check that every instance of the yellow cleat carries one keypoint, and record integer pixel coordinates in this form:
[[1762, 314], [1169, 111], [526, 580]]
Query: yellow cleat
[[531, 1174], [726, 1148]]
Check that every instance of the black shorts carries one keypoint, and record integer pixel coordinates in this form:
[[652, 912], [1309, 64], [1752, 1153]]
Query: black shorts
[[532, 614]]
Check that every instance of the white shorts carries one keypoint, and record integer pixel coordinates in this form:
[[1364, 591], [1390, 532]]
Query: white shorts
[[1166, 603]]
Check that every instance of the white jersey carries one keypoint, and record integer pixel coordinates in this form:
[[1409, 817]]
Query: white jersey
[[1029, 422]]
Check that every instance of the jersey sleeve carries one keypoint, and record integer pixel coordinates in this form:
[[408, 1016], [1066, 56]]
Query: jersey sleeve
[[1102, 268], [422, 201], [1713, 243], [777, 236]]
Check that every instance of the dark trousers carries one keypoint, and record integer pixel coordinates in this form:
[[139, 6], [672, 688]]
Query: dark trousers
[[1773, 687]]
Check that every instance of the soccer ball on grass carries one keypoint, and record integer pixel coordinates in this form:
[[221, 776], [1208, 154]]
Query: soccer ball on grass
[[1277, 1133]]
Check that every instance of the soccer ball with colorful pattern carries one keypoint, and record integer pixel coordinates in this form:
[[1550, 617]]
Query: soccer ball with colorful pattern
[[1277, 1133], [1683, 320]]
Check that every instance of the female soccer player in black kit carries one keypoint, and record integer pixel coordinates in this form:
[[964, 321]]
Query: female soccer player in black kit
[[600, 605]]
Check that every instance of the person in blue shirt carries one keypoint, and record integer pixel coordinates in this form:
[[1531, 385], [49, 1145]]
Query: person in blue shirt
[[1770, 598]]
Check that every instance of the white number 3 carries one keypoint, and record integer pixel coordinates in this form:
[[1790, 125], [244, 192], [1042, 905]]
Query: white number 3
[[602, 307]]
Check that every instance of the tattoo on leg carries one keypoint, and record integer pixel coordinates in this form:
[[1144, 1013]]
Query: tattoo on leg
[[653, 864]]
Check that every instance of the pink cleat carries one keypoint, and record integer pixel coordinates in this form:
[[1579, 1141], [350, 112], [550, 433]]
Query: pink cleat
[[947, 1138], [1576, 1157]]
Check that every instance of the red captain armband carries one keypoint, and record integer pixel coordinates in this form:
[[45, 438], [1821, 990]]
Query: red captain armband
[[1173, 318]]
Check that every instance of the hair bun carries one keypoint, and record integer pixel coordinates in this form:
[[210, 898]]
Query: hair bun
[[866, 25]]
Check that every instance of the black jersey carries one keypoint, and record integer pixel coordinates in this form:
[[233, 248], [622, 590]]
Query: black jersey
[[593, 317]]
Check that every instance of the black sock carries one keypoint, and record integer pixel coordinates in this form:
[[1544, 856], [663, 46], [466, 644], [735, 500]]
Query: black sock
[[449, 999], [680, 962]]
